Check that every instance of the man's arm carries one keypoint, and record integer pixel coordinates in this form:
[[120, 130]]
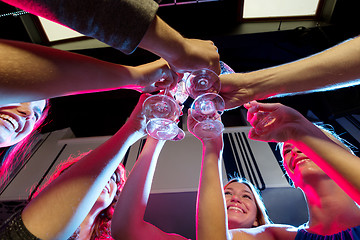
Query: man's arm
[[336, 67], [183, 54], [124, 25]]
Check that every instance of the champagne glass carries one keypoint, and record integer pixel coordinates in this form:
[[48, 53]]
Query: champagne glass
[[161, 106], [206, 110], [204, 86], [202, 81], [179, 92], [164, 129], [163, 113]]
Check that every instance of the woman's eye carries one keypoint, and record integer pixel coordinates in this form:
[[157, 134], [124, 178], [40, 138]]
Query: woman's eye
[[247, 196], [37, 115], [227, 193], [286, 151], [113, 177]]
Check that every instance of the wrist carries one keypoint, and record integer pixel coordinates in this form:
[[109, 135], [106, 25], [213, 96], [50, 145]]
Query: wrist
[[132, 130], [302, 130], [262, 84], [211, 147], [135, 75], [163, 40]]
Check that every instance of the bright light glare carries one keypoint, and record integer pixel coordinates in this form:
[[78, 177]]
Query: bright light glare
[[55, 31], [279, 8]]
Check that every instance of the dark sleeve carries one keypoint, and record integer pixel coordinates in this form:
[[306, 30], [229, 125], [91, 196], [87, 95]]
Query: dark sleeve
[[118, 23], [14, 229]]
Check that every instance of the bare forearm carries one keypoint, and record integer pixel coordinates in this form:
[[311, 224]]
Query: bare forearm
[[163, 40], [333, 68], [31, 72], [337, 162], [183, 54], [128, 219], [211, 224], [62, 206]]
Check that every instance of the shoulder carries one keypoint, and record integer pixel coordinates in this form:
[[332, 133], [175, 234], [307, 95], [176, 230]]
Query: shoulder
[[265, 232]]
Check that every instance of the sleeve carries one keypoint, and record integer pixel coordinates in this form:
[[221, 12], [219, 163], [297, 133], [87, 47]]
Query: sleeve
[[118, 23], [14, 229]]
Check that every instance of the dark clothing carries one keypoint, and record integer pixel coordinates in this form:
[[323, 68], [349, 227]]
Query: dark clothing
[[14, 229], [349, 234], [119, 23]]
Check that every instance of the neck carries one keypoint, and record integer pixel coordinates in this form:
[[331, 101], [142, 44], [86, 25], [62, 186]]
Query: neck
[[86, 225], [331, 210]]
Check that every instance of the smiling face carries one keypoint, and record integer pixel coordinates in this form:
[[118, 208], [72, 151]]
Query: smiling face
[[18, 120], [108, 193], [241, 206], [297, 165]]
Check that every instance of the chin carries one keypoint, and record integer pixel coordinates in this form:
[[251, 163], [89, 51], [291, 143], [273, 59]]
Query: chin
[[234, 224]]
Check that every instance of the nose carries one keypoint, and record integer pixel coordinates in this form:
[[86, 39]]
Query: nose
[[295, 152], [235, 198]]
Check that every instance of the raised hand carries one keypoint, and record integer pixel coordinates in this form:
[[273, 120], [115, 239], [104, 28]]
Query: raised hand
[[273, 122], [217, 142], [137, 120], [235, 90], [196, 54], [155, 76]]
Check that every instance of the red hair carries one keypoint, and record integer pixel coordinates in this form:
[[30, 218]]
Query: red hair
[[101, 225]]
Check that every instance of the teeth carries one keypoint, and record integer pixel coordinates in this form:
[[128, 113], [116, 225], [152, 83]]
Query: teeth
[[9, 119], [298, 162], [236, 209]]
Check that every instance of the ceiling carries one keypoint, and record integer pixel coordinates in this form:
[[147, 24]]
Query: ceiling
[[243, 46]]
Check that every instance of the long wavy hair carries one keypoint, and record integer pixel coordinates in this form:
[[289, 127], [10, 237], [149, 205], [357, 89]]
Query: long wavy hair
[[101, 226], [262, 216], [14, 156]]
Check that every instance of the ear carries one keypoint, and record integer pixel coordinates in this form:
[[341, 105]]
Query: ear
[[256, 223]]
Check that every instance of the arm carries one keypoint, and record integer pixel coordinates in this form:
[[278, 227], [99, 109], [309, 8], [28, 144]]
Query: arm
[[336, 67], [183, 54], [128, 220], [210, 224], [31, 72], [125, 25], [286, 124], [62, 206]]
